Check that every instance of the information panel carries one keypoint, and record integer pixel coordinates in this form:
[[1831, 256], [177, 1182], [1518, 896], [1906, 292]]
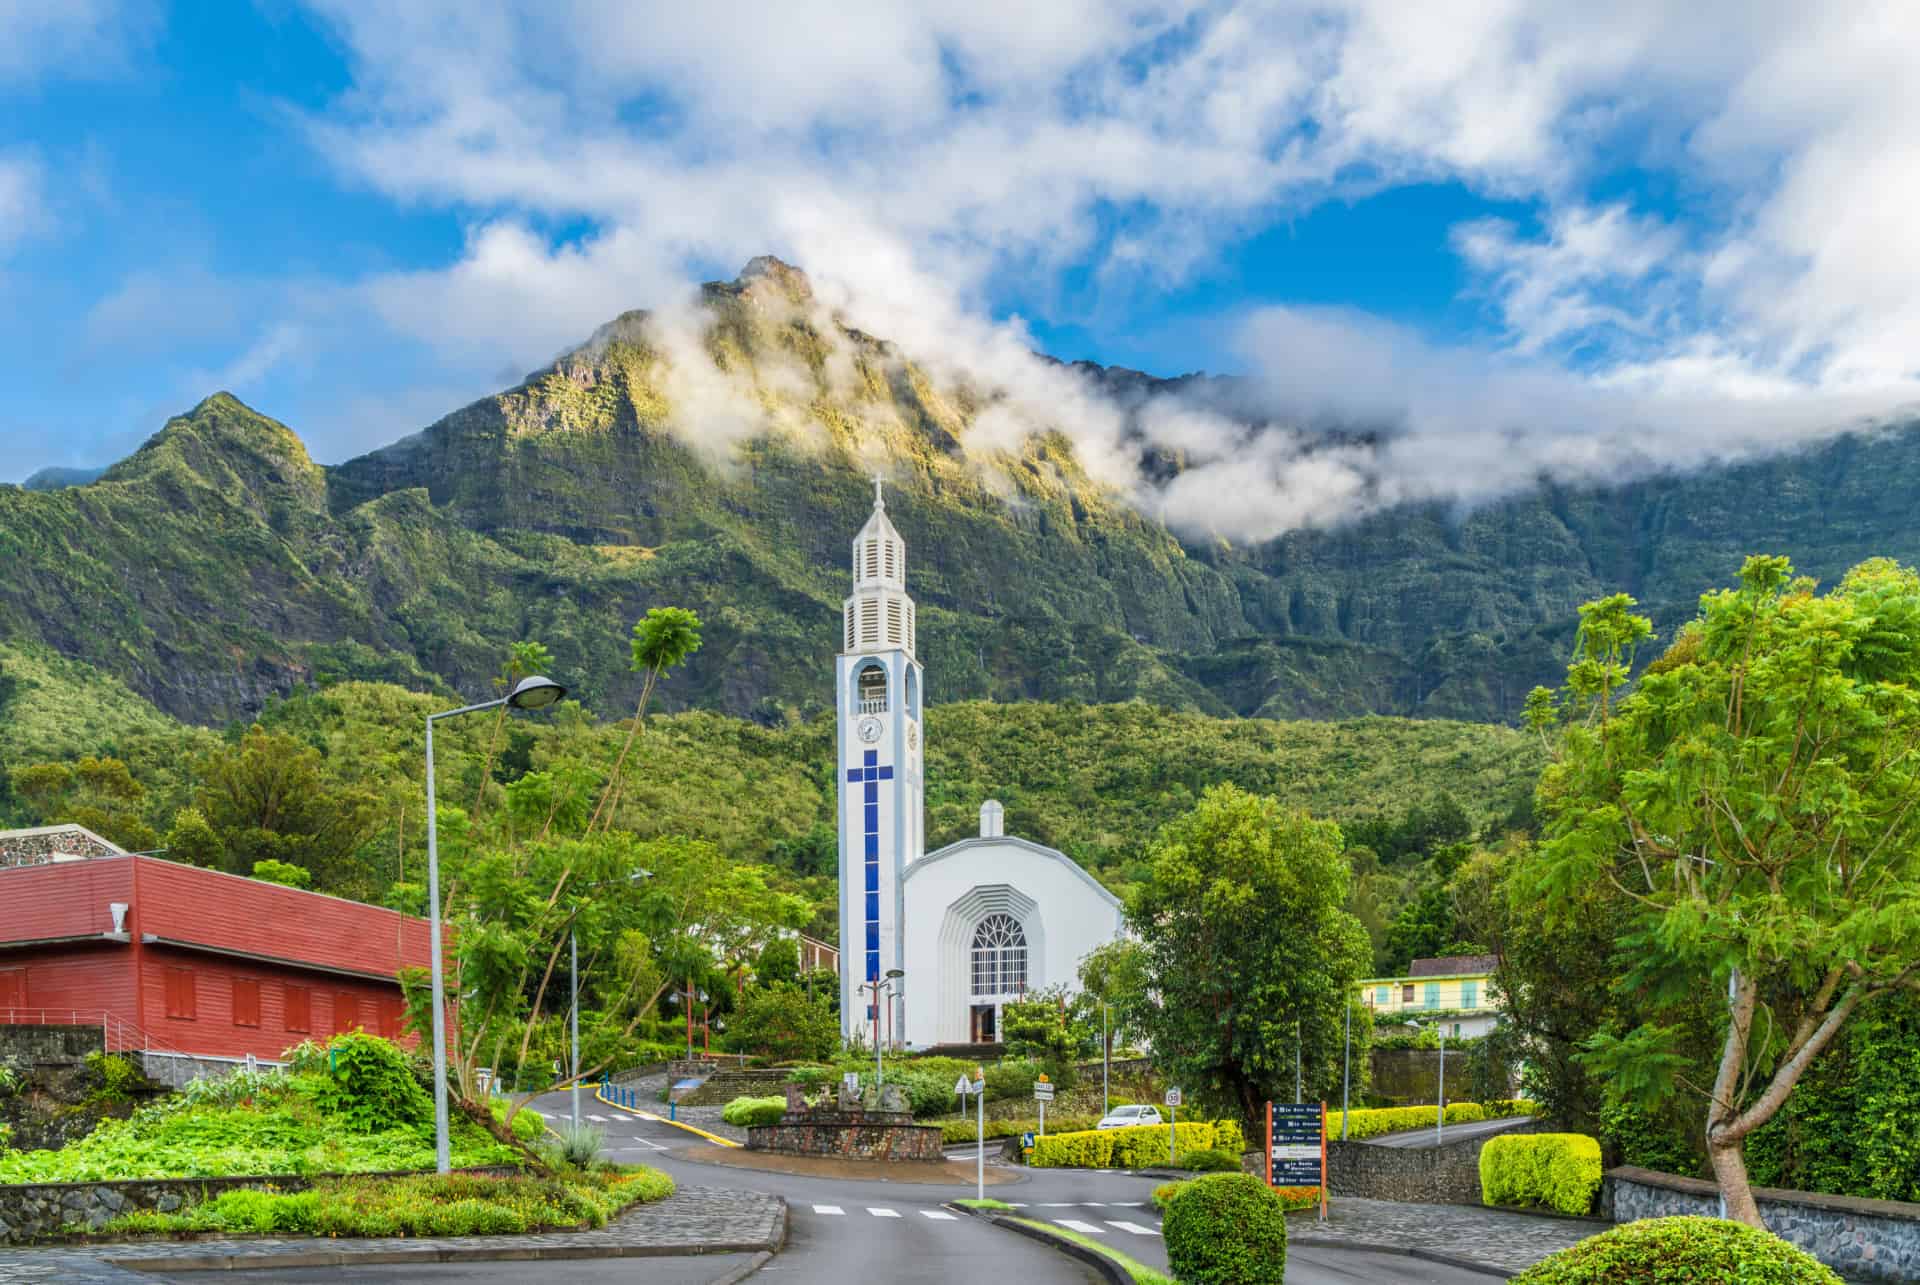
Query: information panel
[[1296, 1149]]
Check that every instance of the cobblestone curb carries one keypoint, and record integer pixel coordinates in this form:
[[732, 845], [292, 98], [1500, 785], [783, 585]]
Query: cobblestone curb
[[1495, 1241], [694, 1220]]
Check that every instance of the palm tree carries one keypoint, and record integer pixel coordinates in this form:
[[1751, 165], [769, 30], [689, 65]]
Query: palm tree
[[523, 660], [662, 639]]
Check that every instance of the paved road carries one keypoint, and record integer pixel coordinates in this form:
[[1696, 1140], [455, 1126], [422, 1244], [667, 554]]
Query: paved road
[[1448, 1133], [858, 1231]]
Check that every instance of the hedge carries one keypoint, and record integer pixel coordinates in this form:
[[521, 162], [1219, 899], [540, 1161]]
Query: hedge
[[1226, 1229], [747, 1112], [1134, 1147], [1680, 1250], [1558, 1170], [1374, 1121], [967, 1130]]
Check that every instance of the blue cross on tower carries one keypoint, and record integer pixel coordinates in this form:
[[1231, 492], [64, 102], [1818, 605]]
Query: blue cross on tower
[[872, 774]]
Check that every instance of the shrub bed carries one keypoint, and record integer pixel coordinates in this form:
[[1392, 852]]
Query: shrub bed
[[424, 1205], [1680, 1251], [1558, 1170], [1226, 1229], [1134, 1147], [747, 1112], [1371, 1122], [967, 1130]]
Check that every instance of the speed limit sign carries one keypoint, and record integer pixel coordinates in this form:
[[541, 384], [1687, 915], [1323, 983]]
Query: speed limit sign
[[1173, 1097]]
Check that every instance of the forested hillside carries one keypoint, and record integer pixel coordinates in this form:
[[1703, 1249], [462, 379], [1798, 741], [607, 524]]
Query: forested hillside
[[219, 567]]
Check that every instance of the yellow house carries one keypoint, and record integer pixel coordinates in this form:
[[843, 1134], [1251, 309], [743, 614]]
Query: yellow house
[[1455, 989]]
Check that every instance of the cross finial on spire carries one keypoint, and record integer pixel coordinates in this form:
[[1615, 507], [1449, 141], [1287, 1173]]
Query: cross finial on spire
[[879, 500]]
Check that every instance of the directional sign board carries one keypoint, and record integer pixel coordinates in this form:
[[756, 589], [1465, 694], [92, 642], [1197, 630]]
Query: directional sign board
[[1043, 1092], [1296, 1153], [1026, 1141], [1173, 1097]]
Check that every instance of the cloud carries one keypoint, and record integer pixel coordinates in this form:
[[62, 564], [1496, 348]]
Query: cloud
[[1707, 248], [21, 197], [43, 38]]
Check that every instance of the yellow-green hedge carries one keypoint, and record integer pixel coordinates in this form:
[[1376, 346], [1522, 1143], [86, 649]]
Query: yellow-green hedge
[[1374, 1121], [1558, 1170], [1135, 1147]]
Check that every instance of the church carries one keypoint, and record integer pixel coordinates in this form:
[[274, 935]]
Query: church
[[933, 944]]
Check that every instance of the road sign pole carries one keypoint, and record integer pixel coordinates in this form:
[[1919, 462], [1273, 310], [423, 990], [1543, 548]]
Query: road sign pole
[[1043, 1117], [1323, 1161], [980, 1154], [1269, 1144], [1173, 1136]]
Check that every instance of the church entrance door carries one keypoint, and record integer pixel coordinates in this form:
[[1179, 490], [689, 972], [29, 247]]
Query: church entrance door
[[983, 1024]]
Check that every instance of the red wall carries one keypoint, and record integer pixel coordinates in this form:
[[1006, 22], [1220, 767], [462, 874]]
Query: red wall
[[85, 978], [64, 899], [231, 913], [211, 1029]]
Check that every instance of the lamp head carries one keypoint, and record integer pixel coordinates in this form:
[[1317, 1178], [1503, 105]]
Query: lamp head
[[893, 973], [535, 692]]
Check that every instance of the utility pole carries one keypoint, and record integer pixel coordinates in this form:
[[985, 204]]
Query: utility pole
[[1346, 1071], [1440, 1119]]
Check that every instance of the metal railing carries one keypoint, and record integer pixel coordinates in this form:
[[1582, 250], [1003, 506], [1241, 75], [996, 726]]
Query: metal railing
[[118, 1035]]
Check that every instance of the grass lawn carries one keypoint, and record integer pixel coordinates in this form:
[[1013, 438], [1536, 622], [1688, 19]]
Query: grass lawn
[[1141, 1273]]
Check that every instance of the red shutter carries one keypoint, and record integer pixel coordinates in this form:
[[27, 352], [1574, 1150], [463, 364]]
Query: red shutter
[[180, 994], [246, 1001], [13, 988], [346, 1011], [299, 1008]]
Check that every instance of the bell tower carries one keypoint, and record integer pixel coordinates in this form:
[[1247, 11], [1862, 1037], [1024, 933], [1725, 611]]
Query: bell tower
[[882, 825]]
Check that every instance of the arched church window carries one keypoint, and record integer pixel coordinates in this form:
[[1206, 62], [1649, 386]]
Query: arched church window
[[999, 956], [913, 693], [870, 691]]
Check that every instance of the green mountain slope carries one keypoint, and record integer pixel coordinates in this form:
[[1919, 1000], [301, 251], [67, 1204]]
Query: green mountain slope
[[219, 565]]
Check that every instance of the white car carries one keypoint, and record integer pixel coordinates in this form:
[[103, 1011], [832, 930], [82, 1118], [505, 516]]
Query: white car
[[1128, 1117]]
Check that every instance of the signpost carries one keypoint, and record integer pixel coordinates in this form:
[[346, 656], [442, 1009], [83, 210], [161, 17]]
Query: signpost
[[977, 1086], [1173, 1114], [1297, 1147], [1043, 1094]]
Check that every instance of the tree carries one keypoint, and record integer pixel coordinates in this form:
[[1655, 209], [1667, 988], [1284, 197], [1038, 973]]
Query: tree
[[98, 793], [284, 873], [1040, 1028], [780, 1022], [1247, 939], [662, 639], [1116, 975], [1755, 805], [269, 797], [524, 659]]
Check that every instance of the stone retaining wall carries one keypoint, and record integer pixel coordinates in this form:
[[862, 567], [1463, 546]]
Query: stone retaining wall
[[1445, 1175], [38, 1211], [852, 1135], [1868, 1240], [722, 1087], [50, 1045]]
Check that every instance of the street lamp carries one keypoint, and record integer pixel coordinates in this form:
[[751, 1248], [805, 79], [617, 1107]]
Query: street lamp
[[883, 987], [1440, 1119], [533, 692], [573, 971]]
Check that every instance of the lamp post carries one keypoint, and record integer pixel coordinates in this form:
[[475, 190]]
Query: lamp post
[[533, 692], [1106, 1063], [1346, 1070], [883, 990], [1440, 1120], [573, 1005]]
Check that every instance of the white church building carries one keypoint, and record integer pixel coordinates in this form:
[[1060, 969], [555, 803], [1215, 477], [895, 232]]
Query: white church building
[[933, 944]]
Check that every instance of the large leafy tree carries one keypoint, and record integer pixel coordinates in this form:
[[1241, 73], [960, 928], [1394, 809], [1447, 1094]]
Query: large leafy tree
[[1755, 807], [1248, 940]]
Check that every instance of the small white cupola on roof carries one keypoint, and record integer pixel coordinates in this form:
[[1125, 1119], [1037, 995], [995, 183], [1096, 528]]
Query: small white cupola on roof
[[993, 819], [879, 615]]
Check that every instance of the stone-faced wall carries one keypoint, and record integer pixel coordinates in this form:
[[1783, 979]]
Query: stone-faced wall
[[39, 1211], [1443, 1175], [50, 1045], [1411, 1076], [1867, 1240], [854, 1135]]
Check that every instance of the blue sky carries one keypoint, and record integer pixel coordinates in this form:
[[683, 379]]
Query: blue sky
[[1477, 218]]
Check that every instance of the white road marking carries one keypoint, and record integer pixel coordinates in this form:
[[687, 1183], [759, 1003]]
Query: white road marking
[[598, 1119], [1085, 1229], [1135, 1228], [883, 1213], [834, 1210], [1016, 1204], [1060, 1204], [941, 1214], [1094, 1204], [1127, 1204]]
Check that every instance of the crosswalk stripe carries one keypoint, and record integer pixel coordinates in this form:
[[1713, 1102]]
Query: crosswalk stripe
[[1135, 1228], [1085, 1229], [941, 1214], [883, 1213], [598, 1119], [1094, 1204], [1016, 1204], [1059, 1204], [829, 1209]]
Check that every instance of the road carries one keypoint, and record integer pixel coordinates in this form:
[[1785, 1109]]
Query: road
[[1448, 1133], [842, 1231]]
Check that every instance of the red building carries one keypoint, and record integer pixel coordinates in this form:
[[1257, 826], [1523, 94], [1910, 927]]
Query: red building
[[173, 960]]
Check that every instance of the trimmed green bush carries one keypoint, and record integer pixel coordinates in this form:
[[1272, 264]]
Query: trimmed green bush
[[1217, 1160], [1226, 1229], [1679, 1251], [1135, 1147], [1371, 1122], [1558, 1170], [966, 1130], [747, 1112], [1507, 1108]]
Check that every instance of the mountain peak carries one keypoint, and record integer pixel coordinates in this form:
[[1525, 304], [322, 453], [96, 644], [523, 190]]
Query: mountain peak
[[781, 275]]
